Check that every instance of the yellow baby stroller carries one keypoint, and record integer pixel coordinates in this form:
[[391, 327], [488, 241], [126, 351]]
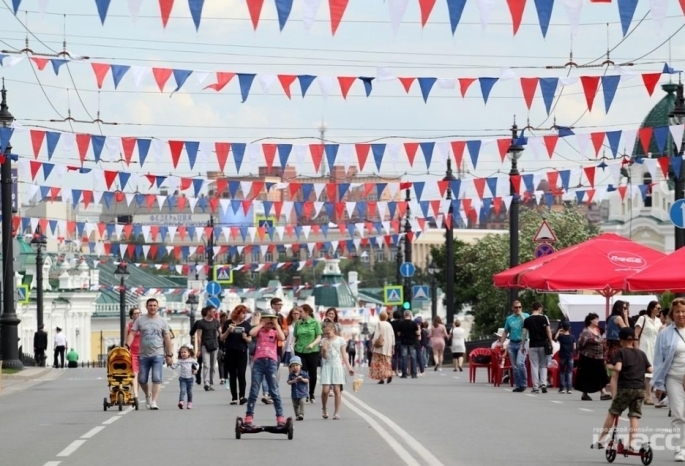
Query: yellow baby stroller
[[120, 379]]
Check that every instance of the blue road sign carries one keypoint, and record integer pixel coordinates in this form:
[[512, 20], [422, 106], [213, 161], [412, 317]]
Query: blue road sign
[[543, 249], [214, 301], [213, 289], [393, 295], [677, 213], [407, 269], [420, 292]]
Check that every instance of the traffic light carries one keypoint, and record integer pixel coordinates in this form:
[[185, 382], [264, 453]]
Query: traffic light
[[406, 306]]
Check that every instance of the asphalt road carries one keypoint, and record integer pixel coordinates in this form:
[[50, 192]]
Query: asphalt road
[[437, 420]]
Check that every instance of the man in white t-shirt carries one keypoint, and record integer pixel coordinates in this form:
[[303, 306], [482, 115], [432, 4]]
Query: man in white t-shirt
[[60, 347]]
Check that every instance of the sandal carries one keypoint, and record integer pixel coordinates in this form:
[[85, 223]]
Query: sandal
[[336, 417], [324, 414], [648, 403]]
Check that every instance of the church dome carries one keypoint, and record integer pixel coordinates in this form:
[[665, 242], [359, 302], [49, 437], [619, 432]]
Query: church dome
[[332, 290], [658, 116]]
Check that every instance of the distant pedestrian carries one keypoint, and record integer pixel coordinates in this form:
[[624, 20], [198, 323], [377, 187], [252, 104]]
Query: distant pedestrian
[[458, 346], [40, 345], [188, 365], [236, 336], [591, 375], [409, 332], [207, 343], [438, 334], [60, 344], [537, 327], [567, 347], [299, 383], [513, 329], [334, 358], [72, 359], [383, 346], [647, 328], [307, 334], [155, 349], [352, 350], [133, 314], [288, 346]]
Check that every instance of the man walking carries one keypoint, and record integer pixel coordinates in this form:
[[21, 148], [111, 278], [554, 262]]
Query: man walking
[[513, 328], [537, 327], [409, 332], [155, 349], [207, 341], [40, 345], [60, 347]]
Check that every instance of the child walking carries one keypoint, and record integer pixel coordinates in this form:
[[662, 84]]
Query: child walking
[[567, 346], [188, 365], [334, 356], [265, 365], [299, 382], [627, 386]]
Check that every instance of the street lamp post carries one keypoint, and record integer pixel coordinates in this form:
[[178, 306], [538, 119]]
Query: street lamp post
[[122, 274], [677, 118], [449, 249], [407, 247], [210, 248], [192, 303], [9, 347], [433, 271], [38, 243], [514, 151]]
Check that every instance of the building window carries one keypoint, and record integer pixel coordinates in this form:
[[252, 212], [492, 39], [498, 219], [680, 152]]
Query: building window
[[254, 256], [365, 256], [647, 179], [268, 257], [380, 255]]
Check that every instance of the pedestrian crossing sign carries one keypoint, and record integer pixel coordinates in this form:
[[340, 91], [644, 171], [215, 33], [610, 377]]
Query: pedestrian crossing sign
[[393, 295], [223, 274], [23, 294]]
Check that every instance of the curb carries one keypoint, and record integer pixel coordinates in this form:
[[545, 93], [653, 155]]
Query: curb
[[29, 376]]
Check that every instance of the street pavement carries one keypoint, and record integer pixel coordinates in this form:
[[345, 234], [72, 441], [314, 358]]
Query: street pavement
[[440, 419]]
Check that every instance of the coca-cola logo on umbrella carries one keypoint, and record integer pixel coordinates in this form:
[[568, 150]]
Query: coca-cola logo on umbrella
[[627, 259]]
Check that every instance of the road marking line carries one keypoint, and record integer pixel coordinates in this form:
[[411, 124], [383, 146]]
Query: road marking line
[[624, 419], [558, 402], [586, 410], [394, 444], [126, 411], [530, 395], [429, 458], [71, 448], [92, 432], [52, 463], [111, 420]]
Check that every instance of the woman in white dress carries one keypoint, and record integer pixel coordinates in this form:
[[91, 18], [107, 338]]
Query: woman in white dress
[[647, 328], [458, 348], [334, 357]]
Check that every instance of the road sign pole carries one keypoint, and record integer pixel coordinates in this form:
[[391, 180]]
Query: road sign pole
[[407, 247]]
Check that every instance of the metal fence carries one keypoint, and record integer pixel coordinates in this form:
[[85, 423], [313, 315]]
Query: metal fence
[[28, 361]]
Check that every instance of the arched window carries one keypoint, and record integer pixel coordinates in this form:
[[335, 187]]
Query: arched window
[[647, 179]]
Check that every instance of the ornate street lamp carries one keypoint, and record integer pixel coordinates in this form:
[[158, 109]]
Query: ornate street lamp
[[515, 151], [38, 243], [122, 274], [449, 249], [433, 271], [677, 118]]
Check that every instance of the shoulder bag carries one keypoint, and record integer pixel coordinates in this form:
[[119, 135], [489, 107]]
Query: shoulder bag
[[549, 349], [380, 341]]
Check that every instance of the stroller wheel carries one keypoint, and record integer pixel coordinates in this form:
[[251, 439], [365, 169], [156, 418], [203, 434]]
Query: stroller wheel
[[105, 404]]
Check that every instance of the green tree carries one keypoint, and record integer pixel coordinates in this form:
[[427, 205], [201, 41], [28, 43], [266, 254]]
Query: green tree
[[476, 264]]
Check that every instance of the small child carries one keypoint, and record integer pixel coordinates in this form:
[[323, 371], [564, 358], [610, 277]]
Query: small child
[[567, 346], [265, 365], [332, 373], [299, 382], [188, 365], [627, 386]]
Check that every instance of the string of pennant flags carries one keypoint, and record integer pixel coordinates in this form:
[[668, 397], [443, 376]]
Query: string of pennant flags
[[529, 85], [397, 10], [247, 157]]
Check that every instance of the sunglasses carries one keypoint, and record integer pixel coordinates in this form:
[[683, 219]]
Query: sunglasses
[[517, 307]]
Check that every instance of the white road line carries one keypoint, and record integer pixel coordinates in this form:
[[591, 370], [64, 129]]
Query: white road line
[[586, 410], [126, 411], [111, 420], [624, 419], [530, 395], [71, 448], [394, 444], [52, 463], [558, 402], [428, 457], [92, 432]]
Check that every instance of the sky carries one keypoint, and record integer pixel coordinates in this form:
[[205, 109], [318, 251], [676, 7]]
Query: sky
[[226, 41]]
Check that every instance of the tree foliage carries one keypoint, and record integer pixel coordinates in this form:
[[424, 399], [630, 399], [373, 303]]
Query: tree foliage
[[476, 264]]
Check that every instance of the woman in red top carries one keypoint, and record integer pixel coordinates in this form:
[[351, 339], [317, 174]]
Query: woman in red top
[[134, 313]]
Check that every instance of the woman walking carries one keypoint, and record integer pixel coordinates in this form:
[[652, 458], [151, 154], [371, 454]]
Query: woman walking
[[133, 314], [617, 320], [290, 320], [438, 336], [307, 334], [646, 330], [591, 376], [383, 344], [235, 333], [458, 346]]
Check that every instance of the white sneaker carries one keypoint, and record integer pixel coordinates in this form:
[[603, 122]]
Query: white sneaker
[[679, 457], [153, 406], [147, 402]]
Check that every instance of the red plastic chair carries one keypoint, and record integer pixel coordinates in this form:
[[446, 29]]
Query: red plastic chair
[[553, 372], [498, 369], [475, 365]]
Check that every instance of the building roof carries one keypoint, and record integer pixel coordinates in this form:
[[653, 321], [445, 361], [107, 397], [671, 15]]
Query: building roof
[[137, 277], [333, 291], [657, 117]]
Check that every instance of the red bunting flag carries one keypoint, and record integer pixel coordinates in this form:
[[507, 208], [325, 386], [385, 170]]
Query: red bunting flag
[[269, 155], [100, 70], [479, 183], [590, 174], [35, 167], [682, 6], [222, 149], [175, 147], [650, 81], [87, 197], [529, 86], [597, 141], [345, 84], [503, 146], [590, 85], [551, 143], [40, 62], [645, 135], [362, 151], [165, 7], [664, 163], [337, 9], [37, 138], [516, 8], [553, 179], [221, 184], [128, 144], [161, 75], [622, 191], [286, 80], [516, 183], [407, 82], [410, 148], [458, 152], [426, 7], [222, 78], [255, 9], [316, 151], [82, 143], [464, 84]]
